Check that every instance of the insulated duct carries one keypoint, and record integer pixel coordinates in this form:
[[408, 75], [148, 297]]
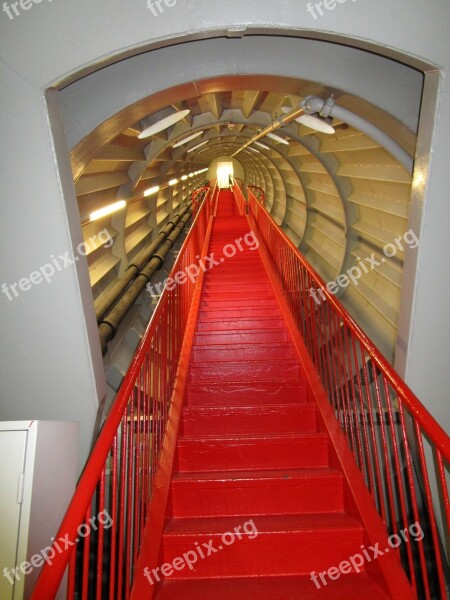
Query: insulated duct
[[107, 300], [328, 108], [110, 323]]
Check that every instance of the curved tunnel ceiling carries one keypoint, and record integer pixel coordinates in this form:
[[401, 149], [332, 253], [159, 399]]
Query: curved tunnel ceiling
[[339, 197]]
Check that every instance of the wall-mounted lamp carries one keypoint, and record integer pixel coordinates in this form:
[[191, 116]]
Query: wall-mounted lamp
[[107, 210], [152, 190]]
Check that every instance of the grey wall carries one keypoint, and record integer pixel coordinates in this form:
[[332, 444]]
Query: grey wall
[[51, 365], [386, 83]]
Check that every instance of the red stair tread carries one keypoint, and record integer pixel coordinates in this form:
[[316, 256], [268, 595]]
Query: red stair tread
[[233, 312], [259, 475], [252, 452], [258, 370], [242, 336], [250, 437], [274, 545], [245, 393], [228, 352], [278, 492], [283, 418], [347, 587], [322, 523], [239, 324]]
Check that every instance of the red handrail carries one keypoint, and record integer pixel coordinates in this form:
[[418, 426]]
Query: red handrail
[[198, 196], [384, 422], [258, 192], [240, 198], [117, 482]]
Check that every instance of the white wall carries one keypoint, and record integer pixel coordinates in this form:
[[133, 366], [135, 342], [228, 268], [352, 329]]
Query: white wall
[[51, 366]]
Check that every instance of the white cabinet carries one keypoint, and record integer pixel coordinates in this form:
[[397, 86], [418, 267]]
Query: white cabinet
[[38, 469]]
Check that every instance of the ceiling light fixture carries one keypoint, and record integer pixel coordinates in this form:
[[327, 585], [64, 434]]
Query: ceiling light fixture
[[107, 210], [173, 181], [197, 146], [262, 145], [313, 121], [188, 139], [163, 124], [152, 190], [277, 138], [316, 123], [184, 177]]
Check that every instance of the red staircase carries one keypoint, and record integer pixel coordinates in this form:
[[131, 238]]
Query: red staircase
[[244, 456], [251, 452]]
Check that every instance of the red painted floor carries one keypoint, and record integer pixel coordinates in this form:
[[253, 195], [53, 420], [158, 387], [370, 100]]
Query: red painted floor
[[251, 462]]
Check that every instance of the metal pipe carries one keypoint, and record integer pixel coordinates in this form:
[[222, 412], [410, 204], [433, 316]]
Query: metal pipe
[[287, 118], [111, 296], [328, 108], [109, 325]]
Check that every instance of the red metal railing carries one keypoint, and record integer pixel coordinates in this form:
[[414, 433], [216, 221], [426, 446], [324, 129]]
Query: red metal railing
[[258, 192], [198, 196], [101, 548], [402, 452], [240, 198]]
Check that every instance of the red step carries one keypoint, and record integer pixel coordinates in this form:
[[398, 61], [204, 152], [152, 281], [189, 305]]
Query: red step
[[228, 266], [235, 286], [250, 296], [237, 324], [257, 370], [249, 452], [259, 493], [242, 261], [226, 420], [347, 587], [236, 312], [248, 393], [244, 336], [228, 352], [214, 305], [269, 545]]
